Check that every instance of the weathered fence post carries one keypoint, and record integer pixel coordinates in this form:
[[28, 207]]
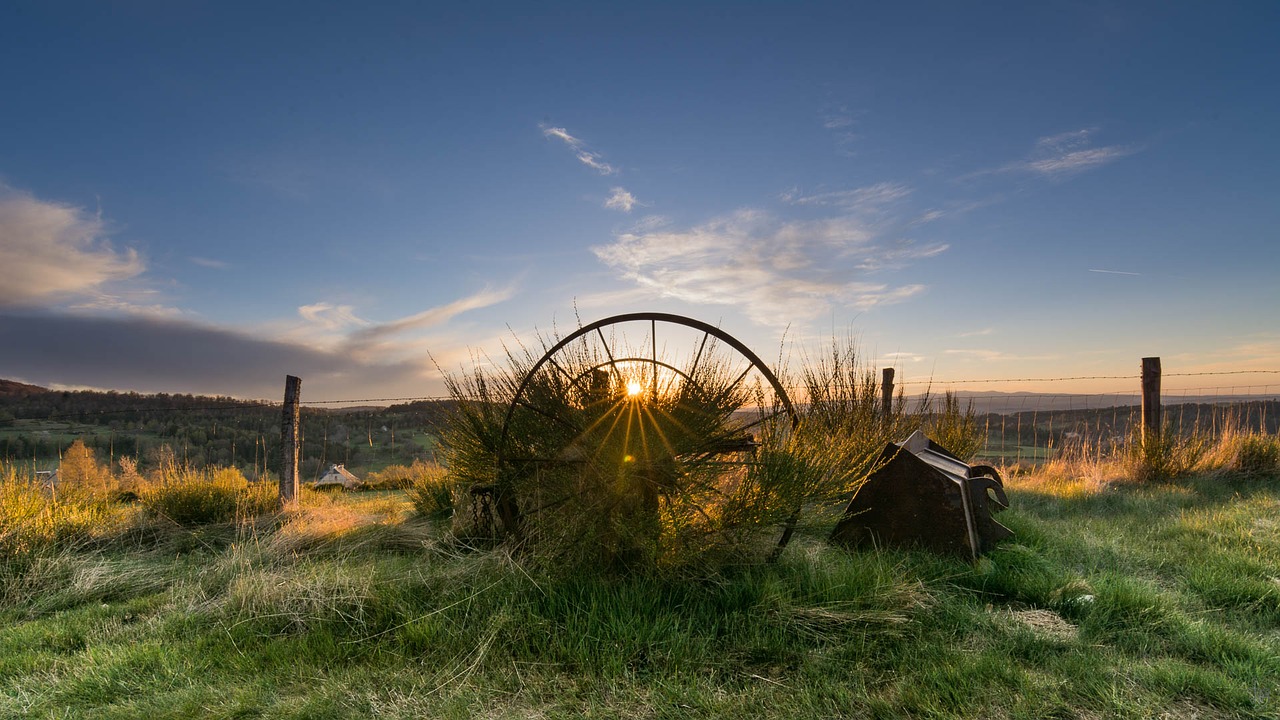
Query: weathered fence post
[[1150, 399], [886, 395], [289, 445]]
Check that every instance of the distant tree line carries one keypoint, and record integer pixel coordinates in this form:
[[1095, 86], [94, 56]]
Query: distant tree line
[[203, 431]]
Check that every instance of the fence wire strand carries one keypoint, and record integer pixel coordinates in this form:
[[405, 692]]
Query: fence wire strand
[[1019, 426]]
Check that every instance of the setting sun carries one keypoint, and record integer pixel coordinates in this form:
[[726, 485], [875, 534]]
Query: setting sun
[[634, 388]]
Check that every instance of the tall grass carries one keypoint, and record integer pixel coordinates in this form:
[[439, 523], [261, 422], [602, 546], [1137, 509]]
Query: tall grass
[[187, 496], [33, 517]]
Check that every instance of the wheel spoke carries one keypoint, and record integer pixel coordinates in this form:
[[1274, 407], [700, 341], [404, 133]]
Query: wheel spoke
[[684, 441]]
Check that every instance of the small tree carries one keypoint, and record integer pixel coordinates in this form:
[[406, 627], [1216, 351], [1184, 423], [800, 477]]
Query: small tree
[[80, 469]]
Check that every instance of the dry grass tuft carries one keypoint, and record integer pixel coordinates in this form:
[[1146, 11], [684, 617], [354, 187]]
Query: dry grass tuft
[[1046, 624]]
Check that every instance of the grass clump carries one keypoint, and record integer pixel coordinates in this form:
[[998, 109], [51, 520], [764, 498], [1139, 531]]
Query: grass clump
[[187, 496], [1253, 454], [428, 486], [1166, 455], [603, 464]]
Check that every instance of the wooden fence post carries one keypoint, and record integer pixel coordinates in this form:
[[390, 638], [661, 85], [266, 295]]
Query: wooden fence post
[[289, 445], [886, 395], [1151, 424]]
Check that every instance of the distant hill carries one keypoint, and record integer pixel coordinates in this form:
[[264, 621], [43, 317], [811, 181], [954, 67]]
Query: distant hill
[[11, 388]]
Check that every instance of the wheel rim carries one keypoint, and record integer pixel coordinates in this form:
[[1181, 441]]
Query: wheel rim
[[662, 409]]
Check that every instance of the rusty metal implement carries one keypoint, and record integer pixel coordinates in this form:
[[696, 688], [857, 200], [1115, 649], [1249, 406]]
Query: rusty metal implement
[[922, 495]]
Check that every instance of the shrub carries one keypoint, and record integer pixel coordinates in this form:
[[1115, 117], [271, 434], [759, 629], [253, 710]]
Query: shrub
[[1166, 455], [195, 497], [430, 490], [1255, 454], [402, 477], [956, 428]]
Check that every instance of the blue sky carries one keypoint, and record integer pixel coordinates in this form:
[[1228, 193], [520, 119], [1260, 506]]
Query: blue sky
[[202, 197]]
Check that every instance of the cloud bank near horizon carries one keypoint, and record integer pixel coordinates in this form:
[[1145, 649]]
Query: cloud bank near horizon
[[160, 355]]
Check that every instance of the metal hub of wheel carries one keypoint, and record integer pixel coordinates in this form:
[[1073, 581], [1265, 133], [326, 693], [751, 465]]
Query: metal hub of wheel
[[636, 428]]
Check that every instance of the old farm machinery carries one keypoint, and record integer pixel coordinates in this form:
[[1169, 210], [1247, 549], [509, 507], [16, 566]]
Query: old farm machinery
[[644, 435]]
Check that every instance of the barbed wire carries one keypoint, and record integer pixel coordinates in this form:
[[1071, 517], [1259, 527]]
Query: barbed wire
[[1017, 380], [1225, 372], [374, 400], [259, 403], [1083, 377]]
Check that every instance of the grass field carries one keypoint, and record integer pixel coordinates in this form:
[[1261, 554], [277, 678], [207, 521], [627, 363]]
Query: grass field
[[1114, 600]]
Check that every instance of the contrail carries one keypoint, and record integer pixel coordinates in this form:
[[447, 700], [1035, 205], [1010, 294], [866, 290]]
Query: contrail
[[1115, 272]]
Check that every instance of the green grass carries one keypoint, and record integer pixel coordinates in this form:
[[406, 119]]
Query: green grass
[[1114, 600]]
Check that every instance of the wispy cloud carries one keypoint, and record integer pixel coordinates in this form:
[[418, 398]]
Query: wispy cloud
[[209, 263], [987, 355], [331, 317], [52, 251], [927, 217], [864, 199], [1069, 153], [837, 120], [374, 339], [898, 358], [590, 158], [778, 271], [620, 199], [840, 122]]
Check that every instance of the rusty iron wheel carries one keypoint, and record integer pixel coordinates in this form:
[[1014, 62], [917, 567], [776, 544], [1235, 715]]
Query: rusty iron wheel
[[638, 413]]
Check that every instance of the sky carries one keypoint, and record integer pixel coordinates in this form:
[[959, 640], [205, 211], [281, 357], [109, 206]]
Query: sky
[[201, 197]]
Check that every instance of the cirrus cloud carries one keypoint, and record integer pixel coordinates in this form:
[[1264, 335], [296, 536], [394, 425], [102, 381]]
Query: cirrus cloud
[[590, 158]]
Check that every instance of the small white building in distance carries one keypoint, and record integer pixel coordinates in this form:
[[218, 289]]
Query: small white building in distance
[[337, 476]]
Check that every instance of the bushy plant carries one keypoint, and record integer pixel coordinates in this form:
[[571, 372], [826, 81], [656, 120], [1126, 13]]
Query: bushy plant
[[1255, 454], [844, 429], [1165, 455], [430, 489], [188, 496], [401, 477], [956, 428]]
